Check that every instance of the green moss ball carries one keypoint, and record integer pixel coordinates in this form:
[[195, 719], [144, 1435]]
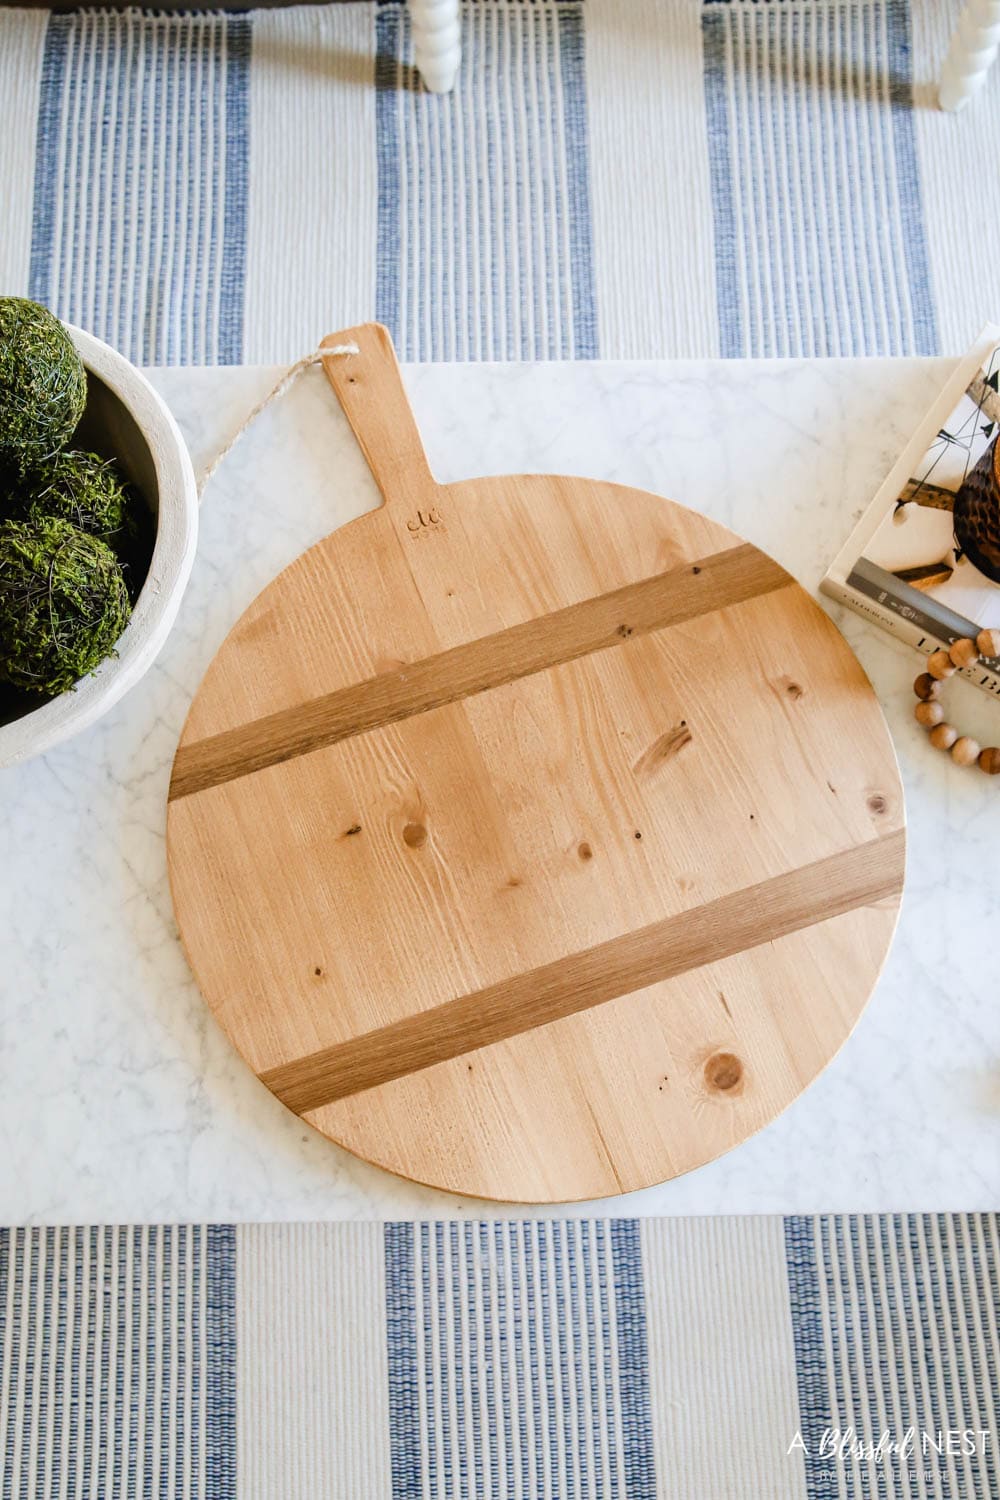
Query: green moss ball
[[43, 385], [63, 604], [81, 488]]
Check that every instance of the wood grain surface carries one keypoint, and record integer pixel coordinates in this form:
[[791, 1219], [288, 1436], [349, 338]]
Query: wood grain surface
[[531, 836]]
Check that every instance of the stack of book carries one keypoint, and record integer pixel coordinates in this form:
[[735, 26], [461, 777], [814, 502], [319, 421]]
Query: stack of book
[[902, 565]]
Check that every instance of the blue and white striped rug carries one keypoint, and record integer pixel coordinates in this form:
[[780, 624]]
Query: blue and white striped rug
[[625, 1359], [613, 178]]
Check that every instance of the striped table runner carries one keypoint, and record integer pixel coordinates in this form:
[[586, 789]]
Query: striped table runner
[[610, 179], [749, 1358]]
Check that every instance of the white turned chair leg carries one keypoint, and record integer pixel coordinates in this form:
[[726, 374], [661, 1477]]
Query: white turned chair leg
[[971, 54], [436, 44]]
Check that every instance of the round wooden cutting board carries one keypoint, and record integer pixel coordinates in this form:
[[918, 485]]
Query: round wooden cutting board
[[532, 837]]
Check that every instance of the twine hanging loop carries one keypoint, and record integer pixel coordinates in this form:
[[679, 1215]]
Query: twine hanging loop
[[286, 381]]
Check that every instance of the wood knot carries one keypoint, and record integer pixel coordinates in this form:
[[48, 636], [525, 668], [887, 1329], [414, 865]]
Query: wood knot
[[350, 832], [584, 850], [723, 1072], [663, 749], [414, 835], [787, 687], [877, 804]]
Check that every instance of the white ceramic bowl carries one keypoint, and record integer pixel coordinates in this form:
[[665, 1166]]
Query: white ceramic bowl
[[125, 420]]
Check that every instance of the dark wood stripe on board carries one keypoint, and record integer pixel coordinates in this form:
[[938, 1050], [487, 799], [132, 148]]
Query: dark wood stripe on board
[[476, 666], [732, 924]]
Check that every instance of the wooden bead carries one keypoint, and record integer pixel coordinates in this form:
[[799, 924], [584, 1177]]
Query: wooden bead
[[943, 736], [940, 664], [963, 652], [965, 750], [929, 712]]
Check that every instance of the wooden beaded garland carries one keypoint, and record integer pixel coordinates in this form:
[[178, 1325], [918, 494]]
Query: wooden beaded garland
[[964, 750]]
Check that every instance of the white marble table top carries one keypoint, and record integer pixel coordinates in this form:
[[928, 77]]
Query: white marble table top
[[120, 1099]]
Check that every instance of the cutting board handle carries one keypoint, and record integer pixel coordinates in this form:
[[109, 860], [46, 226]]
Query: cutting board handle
[[369, 387]]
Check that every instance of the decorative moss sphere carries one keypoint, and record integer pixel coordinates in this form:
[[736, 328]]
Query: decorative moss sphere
[[82, 488], [63, 604], [43, 385]]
